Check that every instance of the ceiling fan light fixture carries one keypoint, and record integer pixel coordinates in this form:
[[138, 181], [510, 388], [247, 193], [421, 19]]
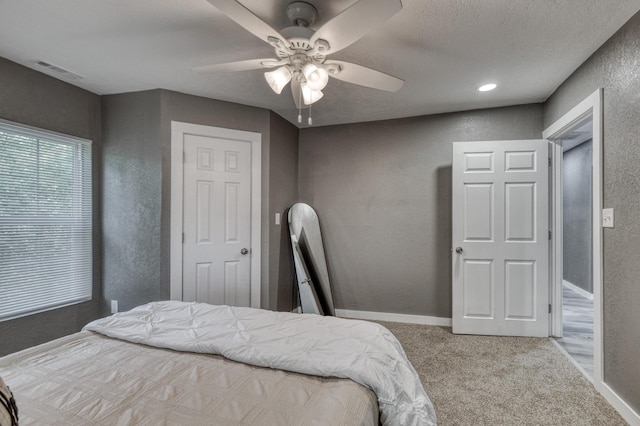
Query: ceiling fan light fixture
[[317, 78], [309, 95], [278, 79]]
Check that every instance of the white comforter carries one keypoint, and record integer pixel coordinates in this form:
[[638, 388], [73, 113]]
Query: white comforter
[[364, 352]]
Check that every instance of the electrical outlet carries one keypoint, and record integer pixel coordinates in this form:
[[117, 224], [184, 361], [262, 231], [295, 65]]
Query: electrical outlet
[[607, 218], [114, 306]]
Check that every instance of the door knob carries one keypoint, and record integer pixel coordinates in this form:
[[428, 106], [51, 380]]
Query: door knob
[[244, 251], [459, 250]]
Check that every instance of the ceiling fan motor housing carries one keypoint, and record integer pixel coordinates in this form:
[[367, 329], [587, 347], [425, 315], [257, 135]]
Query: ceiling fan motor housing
[[298, 38]]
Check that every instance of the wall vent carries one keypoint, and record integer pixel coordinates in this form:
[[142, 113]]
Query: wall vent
[[59, 70]]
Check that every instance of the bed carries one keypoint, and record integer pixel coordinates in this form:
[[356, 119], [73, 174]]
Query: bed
[[177, 363]]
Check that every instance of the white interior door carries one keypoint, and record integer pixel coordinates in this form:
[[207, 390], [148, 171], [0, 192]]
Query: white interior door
[[217, 220], [500, 238]]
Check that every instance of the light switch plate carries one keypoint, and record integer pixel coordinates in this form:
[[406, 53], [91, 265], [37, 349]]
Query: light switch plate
[[607, 218], [277, 218]]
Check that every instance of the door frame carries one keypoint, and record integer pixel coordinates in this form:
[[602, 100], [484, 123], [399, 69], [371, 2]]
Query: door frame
[[178, 130], [590, 106]]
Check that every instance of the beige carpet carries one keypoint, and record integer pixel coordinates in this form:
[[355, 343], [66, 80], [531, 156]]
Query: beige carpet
[[484, 380]]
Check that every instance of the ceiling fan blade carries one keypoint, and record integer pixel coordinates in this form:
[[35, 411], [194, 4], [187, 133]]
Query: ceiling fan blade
[[354, 22], [363, 76], [249, 64], [247, 20]]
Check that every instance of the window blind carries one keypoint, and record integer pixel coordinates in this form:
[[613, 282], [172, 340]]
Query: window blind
[[46, 247]]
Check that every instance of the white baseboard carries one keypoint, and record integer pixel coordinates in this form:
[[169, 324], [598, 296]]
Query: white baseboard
[[625, 410], [576, 289], [386, 316], [627, 413]]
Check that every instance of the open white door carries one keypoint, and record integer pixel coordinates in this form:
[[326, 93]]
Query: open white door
[[500, 238]]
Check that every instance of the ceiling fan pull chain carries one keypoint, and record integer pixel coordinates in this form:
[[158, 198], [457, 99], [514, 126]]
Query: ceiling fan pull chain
[[299, 104], [310, 120]]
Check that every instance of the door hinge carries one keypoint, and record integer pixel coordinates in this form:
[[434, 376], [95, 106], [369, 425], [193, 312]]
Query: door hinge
[[183, 237], [549, 235], [549, 307], [549, 161]]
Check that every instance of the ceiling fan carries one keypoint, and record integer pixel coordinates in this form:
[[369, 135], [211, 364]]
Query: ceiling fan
[[302, 52]]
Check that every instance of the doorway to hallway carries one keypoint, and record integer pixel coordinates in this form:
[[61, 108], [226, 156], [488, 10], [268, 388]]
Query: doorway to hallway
[[583, 253], [577, 245]]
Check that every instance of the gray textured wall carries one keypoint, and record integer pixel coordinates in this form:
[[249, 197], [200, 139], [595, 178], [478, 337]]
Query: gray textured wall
[[137, 183], [577, 212], [283, 192], [131, 199], [32, 98], [382, 191], [614, 67]]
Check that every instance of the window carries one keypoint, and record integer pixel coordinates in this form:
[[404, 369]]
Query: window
[[45, 220]]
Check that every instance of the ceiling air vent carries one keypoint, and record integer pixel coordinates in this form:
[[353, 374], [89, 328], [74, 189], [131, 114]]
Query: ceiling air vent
[[61, 71]]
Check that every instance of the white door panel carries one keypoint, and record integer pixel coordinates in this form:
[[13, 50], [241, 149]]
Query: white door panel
[[478, 293], [217, 220], [500, 225]]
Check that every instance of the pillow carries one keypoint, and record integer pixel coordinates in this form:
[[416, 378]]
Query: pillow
[[8, 408]]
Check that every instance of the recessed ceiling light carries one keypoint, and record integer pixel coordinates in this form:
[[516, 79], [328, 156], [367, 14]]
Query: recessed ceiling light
[[487, 87]]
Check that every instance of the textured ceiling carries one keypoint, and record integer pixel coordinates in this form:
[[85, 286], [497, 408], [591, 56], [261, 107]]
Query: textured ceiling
[[443, 49]]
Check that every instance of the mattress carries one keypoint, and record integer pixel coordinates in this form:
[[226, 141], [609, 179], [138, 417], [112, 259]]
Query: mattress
[[90, 379], [323, 346]]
